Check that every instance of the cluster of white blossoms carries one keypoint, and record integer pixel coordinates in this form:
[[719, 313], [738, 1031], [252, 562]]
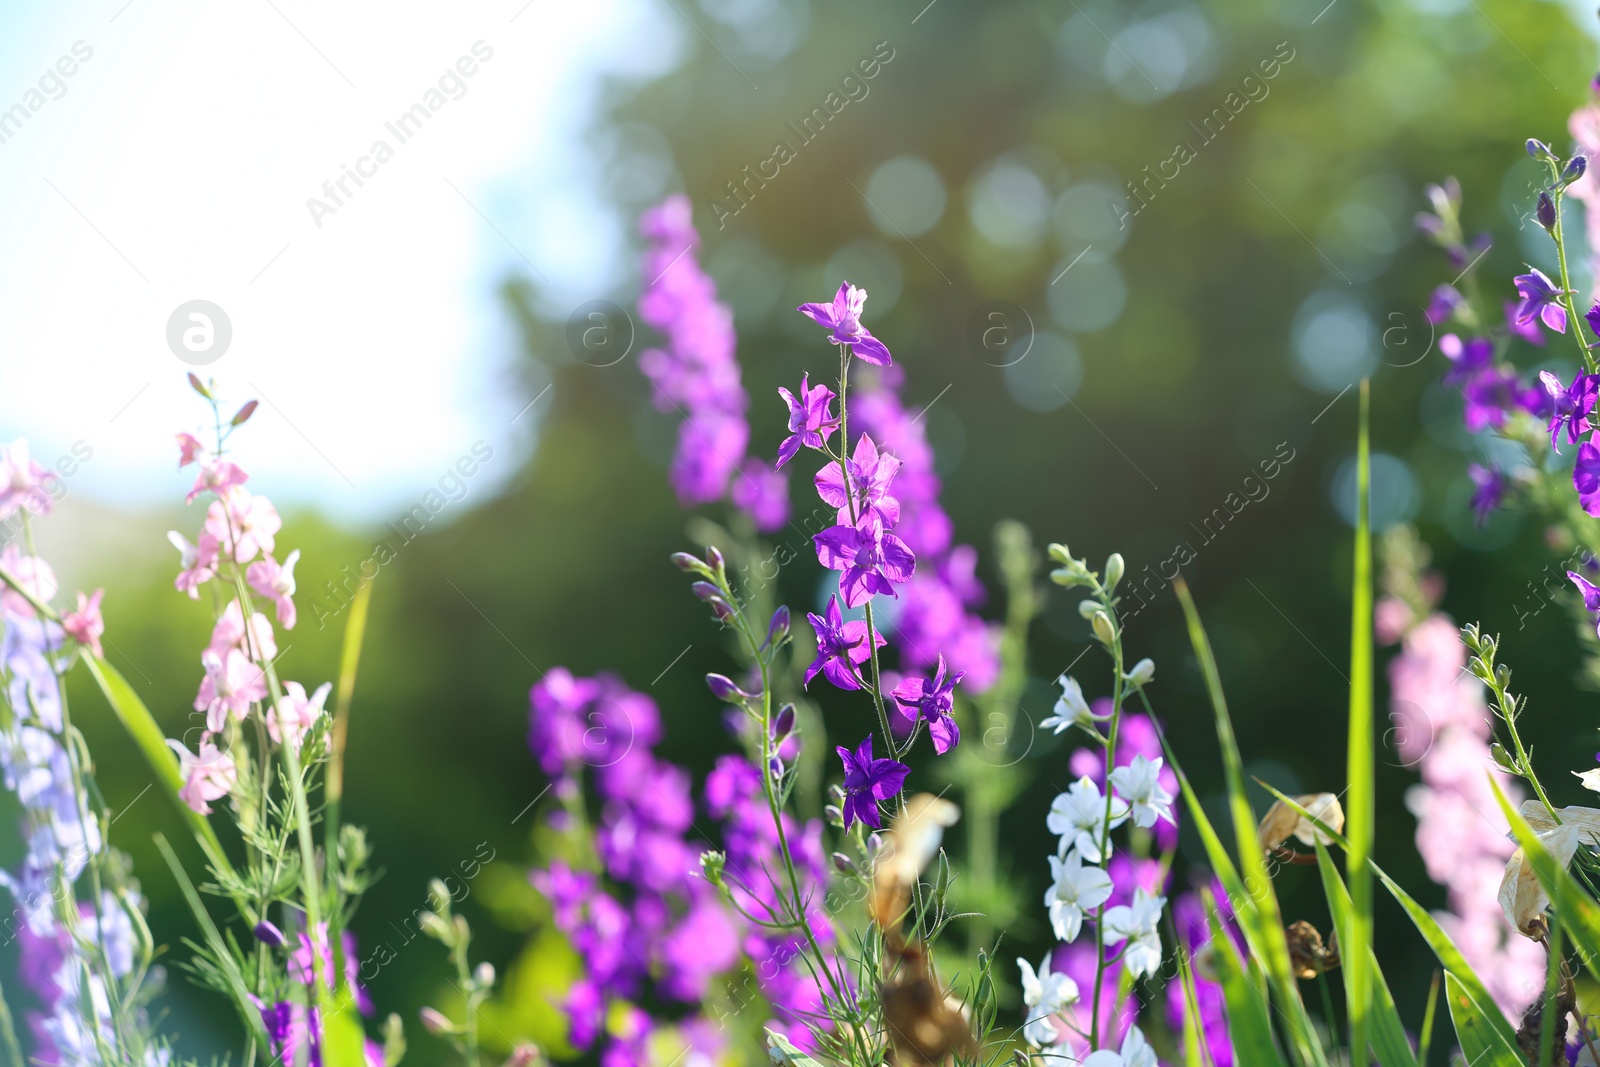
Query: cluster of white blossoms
[[1083, 818]]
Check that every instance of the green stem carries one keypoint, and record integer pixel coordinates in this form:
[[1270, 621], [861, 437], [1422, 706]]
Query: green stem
[[1566, 284]]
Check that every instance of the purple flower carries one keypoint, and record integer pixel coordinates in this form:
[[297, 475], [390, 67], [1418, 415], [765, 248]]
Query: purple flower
[[1541, 299], [1572, 405], [1529, 331], [1586, 477], [867, 781], [810, 424], [763, 494], [1591, 596], [1592, 317], [1489, 396], [871, 472], [843, 317], [841, 646], [1467, 359], [1442, 303], [932, 699], [1491, 490], [870, 559]]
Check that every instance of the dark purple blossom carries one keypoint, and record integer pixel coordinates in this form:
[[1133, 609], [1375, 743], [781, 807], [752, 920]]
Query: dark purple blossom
[[810, 423], [1541, 299], [1591, 595], [1442, 303], [1529, 331], [1467, 359], [841, 646], [1592, 317], [1490, 491], [1571, 405], [931, 699], [1586, 477], [843, 319], [870, 559], [1490, 396], [871, 472], [867, 781]]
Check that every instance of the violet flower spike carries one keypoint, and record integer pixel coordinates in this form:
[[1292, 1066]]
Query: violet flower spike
[[1542, 299], [1490, 491], [869, 558], [810, 424], [841, 646], [867, 781], [1467, 358], [871, 472], [1572, 405], [1591, 596], [1586, 477], [932, 699], [843, 318]]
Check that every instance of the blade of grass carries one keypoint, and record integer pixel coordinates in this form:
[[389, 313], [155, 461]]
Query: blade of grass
[[148, 736], [1388, 1033], [1482, 1043], [1425, 1038], [1360, 818], [355, 630], [1244, 992], [1255, 901], [224, 957]]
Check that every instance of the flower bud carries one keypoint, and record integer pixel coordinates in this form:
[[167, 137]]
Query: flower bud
[[723, 688], [1546, 211], [1087, 608], [711, 866], [778, 628], [1537, 148], [1142, 673], [484, 974], [705, 590], [834, 816], [242, 416], [688, 564], [783, 723], [1103, 627], [268, 934], [1114, 569], [434, 926], [439, 894], [844, 864], [1502, 758], [722, 609], [1575, 168], [1058, 552], [435, 1022], [775, 765], [714, 558], [197, 386]]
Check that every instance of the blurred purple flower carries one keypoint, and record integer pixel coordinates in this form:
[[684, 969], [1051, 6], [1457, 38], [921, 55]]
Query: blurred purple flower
[[1490, 491], [1442, 303], [1467, 359], [1586, 477]]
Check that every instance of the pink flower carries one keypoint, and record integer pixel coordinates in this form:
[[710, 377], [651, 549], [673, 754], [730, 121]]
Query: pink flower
[[189, 449], [296, 713], [232, 683], [199, 562], [277, 584], [85, 625], [209, 776], [229, 634], [30, 572], [243, 524], [22, 480], [216, 476]]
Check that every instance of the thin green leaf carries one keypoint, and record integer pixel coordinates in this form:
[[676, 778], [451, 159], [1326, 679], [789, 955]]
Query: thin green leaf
[[1258, 910], [1482, 1043], [1455, 964], [1333, 835], [224, 958], [355, 629], [1244, 990], [1388, 1033], [1425, 1038], [783, 1053], [148, 736], [1360, 812]]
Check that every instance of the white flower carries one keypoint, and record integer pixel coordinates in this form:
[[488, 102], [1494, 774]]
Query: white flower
[[1077, 888], [1139, 783], [1071, 709], [1142, 674], [1079, 817], [1590, 779], [1045, 993], [1137, 924]]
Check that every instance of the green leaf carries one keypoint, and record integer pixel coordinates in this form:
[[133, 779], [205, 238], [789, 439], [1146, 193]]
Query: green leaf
[[1255, 903], [1360, 817], [783, 1053], [1388, 1033], [225, 960], [1482, 1043], [1244, 991], [1455, 964], [150, 739]]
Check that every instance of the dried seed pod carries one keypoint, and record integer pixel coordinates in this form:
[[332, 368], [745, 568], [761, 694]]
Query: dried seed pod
[[1283, 822], [1308, 956]]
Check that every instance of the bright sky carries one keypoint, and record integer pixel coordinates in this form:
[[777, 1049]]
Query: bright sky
[[174, 163]]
